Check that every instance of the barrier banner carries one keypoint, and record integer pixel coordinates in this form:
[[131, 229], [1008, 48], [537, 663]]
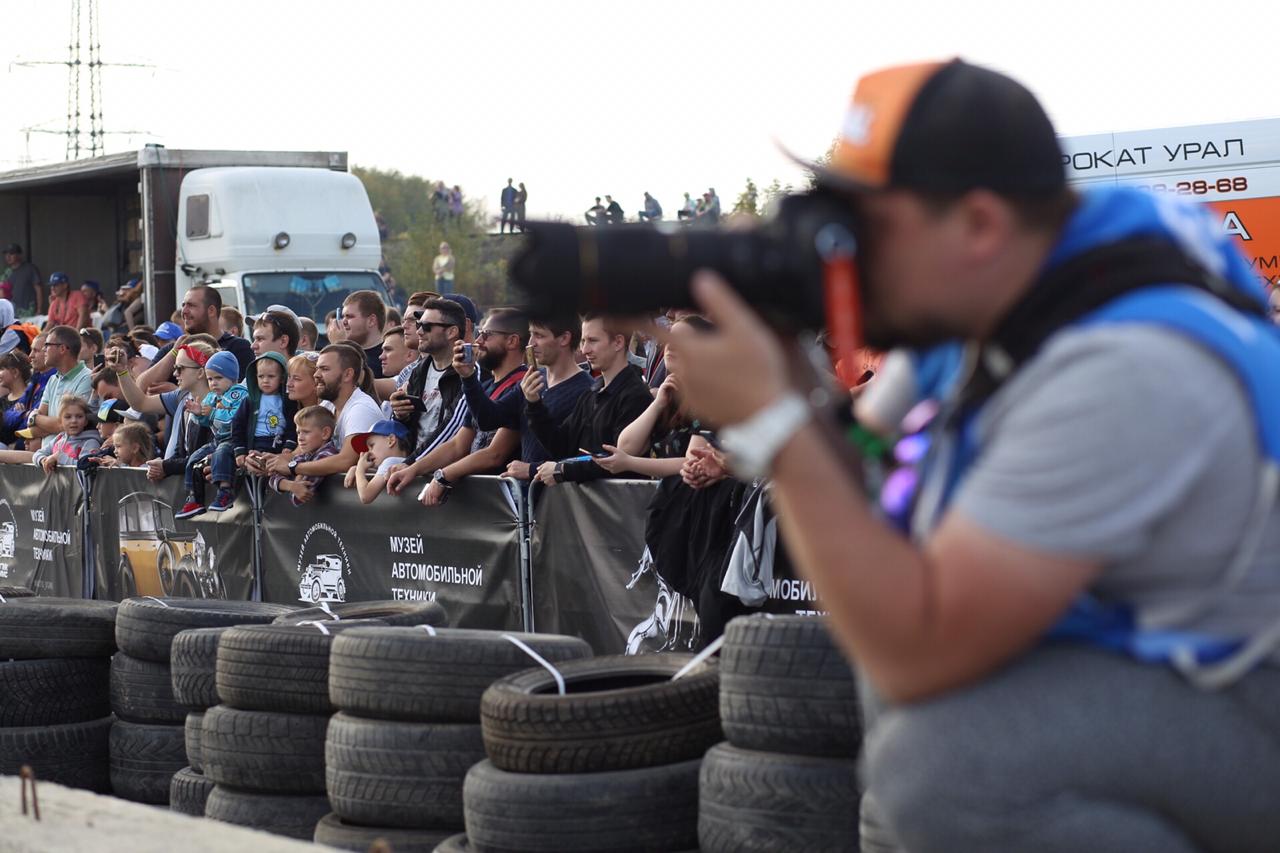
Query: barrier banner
[[593, 576], [41, 539], [141, 549], [464, 554]]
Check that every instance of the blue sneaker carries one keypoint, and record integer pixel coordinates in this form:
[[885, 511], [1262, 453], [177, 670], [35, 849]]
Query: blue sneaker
[[222, 501]]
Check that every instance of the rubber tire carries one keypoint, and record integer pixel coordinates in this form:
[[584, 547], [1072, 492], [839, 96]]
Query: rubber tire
[[785, 687], [653, 808], [71, 754], [335, 832], [188, 792], [407, 674], [145, 627], [38, 627], [397, 613], [142, 691], [193, 661], [53, 692], [620, 712], [193, 738], [279, 667], [765, 801], [874, 835], [16, 592], [144, 757], [264, 751], [279, 814], [395, 774]]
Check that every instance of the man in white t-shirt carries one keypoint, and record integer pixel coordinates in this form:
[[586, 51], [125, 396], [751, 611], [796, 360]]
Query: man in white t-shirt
[[337, 370]]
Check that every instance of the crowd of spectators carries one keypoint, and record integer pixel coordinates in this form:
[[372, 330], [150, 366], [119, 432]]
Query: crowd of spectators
[[704, 210], [396, 402]]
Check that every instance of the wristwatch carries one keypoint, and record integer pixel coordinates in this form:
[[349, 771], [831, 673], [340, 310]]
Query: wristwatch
[[293, 466], [557, 473], [753, 444], [439, 477]]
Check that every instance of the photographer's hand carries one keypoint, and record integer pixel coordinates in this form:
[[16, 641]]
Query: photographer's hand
[[730, 374]]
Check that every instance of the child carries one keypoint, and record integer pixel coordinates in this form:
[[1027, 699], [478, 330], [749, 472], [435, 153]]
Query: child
[[78, 435], [217, 411], [264, 424], [315, 441], [231, 322], [383, 446], [111, 415], [134, 446]]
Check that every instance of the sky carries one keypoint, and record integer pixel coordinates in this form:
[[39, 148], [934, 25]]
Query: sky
[[579, 99]]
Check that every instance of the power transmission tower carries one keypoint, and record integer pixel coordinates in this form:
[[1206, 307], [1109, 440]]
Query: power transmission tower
[[76, 96]]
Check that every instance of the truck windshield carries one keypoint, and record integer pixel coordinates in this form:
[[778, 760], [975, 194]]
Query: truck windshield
[[307, 294]]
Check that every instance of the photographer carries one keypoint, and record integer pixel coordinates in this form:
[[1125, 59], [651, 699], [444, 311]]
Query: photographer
[[1077, 645]]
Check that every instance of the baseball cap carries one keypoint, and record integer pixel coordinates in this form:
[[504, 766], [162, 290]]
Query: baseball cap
[[944, 127], [360, 441], [283, 309], [468, 307], [116, 411], [169, 331], [59, 278], [11, 249], [149, 351], [92, 285]]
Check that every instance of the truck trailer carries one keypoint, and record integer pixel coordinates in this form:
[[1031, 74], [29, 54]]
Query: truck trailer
[[264, 227]]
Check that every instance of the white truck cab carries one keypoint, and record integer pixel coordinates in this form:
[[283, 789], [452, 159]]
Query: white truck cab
[[300, 237]]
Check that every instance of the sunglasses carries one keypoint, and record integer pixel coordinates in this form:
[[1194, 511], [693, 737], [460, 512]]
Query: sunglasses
[[494, 333], [428, 325]]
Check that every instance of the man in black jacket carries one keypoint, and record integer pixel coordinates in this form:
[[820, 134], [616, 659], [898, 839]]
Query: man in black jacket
[[617, 398]]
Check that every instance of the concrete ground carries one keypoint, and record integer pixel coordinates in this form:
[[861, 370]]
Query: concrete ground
[[75, 821]]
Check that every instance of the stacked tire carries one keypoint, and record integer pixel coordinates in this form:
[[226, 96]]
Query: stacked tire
[[148, 740], [612, 764], [193, 664], [408, 731], [55, 710], [786, 778]]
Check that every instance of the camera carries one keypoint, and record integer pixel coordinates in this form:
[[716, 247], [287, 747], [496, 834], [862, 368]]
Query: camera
[[635, 269]]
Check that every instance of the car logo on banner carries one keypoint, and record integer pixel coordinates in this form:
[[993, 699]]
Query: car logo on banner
[[8, 538], [323, 566]]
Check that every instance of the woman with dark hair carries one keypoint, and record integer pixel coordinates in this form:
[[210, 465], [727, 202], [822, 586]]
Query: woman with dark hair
[[689, 527]]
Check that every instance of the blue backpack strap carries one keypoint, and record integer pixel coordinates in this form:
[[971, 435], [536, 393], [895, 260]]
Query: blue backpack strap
[[1250, 346]]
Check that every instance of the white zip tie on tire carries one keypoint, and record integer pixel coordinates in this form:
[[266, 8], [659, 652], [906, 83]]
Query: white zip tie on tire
[[428, 629], [711, 649], [319, 625], [555, 673], [324, 605], [157, 601], [3, 600]]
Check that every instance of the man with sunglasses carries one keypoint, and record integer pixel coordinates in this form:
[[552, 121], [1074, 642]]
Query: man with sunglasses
[[62, 353], [432, 403]]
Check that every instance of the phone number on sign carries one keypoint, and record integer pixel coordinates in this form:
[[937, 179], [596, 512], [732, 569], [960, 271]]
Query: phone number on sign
[[1221, 185]]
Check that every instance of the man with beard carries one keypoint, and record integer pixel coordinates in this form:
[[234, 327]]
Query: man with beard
[[337, 372], [486, 449], [201, 314], [432, 403], [1078, 640]]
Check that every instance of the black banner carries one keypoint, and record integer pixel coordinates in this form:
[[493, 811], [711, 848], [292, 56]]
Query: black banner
[[593, 576], [464, 554], [41, 537], [141, 549]]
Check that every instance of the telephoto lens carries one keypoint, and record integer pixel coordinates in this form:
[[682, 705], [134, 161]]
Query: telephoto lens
[[637, 269]]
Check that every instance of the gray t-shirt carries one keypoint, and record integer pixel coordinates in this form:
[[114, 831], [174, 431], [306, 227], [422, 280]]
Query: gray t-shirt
[[1134, 446]]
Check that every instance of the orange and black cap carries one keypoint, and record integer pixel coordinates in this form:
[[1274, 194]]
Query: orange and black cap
[[944, 127]]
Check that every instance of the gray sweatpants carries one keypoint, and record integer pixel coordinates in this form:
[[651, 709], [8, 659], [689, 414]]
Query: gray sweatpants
[[1074, 749]]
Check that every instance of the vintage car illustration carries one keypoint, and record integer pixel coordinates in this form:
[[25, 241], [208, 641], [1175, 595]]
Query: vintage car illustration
[[8, 541], [156, 558], [322, 580]]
